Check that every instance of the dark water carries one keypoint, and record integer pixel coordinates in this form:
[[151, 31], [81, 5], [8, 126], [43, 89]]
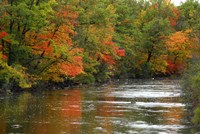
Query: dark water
[[130, 107]]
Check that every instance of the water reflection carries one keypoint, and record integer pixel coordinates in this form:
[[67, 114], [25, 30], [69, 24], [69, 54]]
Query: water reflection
[[133, 107], [106, 110], [2, 126], [13, 109], [60, 113], [71, 111], [176, 112]]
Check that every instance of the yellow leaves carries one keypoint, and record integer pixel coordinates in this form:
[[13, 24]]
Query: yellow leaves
[[111, 9], [179, 46], [159, 64], [140, 18], [17, 73], [64, 36], [180, 43]]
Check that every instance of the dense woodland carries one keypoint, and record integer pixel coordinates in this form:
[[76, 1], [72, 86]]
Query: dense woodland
[[87, 41]]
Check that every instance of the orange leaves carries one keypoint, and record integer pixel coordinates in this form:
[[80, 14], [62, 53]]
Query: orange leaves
[[120, 52], [109, 43], [179, 48], [64, 35], [72, 69], [74, 66], [55, 48], [67, 15], [179, 41], [67, 12], [3, 34], [41, 43], [108, 59]]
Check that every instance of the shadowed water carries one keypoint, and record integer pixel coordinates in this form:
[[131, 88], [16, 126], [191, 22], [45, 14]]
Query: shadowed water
[[128, 107]]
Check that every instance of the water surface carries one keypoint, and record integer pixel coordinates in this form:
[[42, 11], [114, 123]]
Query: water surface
[[128, 107]]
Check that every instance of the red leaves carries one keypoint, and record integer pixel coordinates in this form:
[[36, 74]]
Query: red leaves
[[72, 69], [171, 67], [4, 56], [3, 34], [173, 20], [120, 52], [108, 59], [43, 44], [174, 68]]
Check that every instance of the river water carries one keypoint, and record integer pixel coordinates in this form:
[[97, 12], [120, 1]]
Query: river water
[[124, 107]]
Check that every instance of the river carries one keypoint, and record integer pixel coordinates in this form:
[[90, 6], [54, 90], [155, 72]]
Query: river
[[124, 107]]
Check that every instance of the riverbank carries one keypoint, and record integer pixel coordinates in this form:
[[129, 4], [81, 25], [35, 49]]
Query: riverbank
[[68, 84], [191, 86]]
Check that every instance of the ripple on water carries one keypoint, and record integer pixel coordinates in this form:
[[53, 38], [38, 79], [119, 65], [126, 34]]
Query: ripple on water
[[136, 108], [144, 125], [159, 104], [16, 126], [115, 102], [144, 94], [155, 86]]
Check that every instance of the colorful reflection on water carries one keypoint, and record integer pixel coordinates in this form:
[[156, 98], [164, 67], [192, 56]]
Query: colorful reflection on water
[[130, 107]]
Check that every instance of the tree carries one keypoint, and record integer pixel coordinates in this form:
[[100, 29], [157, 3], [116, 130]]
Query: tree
[[54, 51], [39, 41], [179, 46], [126, 34], [189, 19], [154, 25], [95, 35]]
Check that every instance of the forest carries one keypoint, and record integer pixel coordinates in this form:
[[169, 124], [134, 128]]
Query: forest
[[94, 40], [88, 41]]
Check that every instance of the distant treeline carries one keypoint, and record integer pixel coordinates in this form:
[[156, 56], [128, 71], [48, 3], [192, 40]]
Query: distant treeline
[[87, 41]]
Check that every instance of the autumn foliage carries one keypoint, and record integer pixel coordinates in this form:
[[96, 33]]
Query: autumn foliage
[[89, 41], [72, 69], [3, 34], [173, 20], [179, 46]]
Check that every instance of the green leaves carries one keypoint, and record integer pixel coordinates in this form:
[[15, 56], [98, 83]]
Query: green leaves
[[15, 74], [95, 36], [105, 37]]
